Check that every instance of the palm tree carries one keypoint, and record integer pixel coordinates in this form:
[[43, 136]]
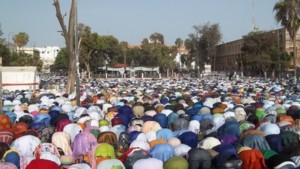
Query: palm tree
[[287, 12], [21, 39]]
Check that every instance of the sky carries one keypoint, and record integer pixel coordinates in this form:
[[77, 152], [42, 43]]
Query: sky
[[134, 20]]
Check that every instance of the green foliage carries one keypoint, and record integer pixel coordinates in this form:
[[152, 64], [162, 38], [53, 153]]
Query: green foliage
[[21, 39], [19, 58], [4, 53], [61, 60], [24, 59], [1, 33], [97, 50], [262, 52], [287, 12], [202, 44], [157, 38], [178, 42]]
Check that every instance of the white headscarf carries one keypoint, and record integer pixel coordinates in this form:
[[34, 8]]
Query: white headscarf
[[194, 126], [72, 129], [181, 150], [174, 141], [148, 163], [209, 143], [140, 144]]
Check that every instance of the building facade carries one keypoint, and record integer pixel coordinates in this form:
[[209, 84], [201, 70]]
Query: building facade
[[48, 55], [228, 55]]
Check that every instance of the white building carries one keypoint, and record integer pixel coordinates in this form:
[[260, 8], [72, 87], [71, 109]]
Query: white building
[[48, 55], [181, 51]]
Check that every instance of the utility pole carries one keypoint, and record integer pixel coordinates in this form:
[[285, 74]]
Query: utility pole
[[278, 49], [1, 91], [77, 56]]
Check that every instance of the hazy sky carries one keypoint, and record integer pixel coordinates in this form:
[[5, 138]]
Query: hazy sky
[[133, 20]]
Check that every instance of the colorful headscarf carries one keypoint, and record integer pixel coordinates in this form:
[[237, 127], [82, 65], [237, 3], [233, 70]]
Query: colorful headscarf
[[6, 136], [252, 159], [47, 151], [13, 157]]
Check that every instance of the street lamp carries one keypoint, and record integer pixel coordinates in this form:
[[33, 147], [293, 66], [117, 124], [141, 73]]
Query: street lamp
[[278, 53], [8, 39]]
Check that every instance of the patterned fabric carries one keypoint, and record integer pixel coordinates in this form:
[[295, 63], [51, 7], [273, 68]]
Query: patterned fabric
[[6, 137], [45, 133], [7, 165], [46, 148]]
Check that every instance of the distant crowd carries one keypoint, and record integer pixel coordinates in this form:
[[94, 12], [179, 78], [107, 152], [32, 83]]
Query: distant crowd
[[216, 122]]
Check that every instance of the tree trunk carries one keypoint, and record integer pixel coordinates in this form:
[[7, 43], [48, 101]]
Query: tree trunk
[[88, 69], [294, 58], [265, 75], [69, 41]]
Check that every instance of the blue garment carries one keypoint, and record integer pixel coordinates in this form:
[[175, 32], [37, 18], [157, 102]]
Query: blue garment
[[12, 116], [162, 152], [165, 134], [133, 135], [193, 111], [189, 138], [275, 142], [229, 128], [125, 114], [171, 117], [255, 141], [198, 106], [13, 157], [45, 118], [162, 119], [225, 152]]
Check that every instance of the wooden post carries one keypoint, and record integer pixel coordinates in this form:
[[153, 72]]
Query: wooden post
[[1, 90]]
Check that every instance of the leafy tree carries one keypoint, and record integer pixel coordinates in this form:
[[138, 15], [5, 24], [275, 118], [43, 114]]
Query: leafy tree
[[287, 12], [135, 54], [155, 53], [123, 48], [202, 44], [1, 33], [157, 38], [24, 59], [5, 54], [178, 43], [61, 60], [281, 59], [88, 46], [259, 49], [21, 39], [109, 49]]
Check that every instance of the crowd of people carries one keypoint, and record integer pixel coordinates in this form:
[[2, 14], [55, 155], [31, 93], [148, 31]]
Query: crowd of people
[[211, 122]]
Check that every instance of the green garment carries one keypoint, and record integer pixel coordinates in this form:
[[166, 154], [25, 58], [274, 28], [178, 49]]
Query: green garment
[[268, 153], [176, 163], [105, 150]]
